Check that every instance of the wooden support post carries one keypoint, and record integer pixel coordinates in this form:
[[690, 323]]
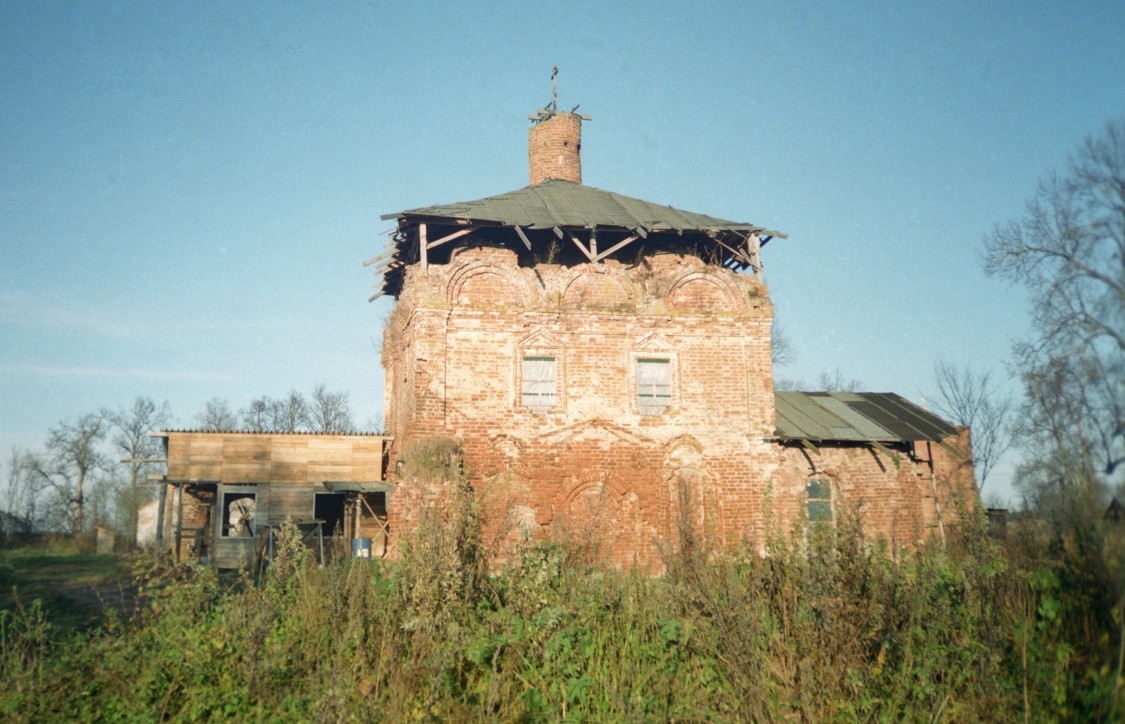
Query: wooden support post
[[523, 237], [754, 248], [581, 248], [160, 512], [615, 247], [179, 518], [422, 246], [594, 244]]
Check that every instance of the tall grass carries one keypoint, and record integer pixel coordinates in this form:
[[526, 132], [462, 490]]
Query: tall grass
[[825, 626]]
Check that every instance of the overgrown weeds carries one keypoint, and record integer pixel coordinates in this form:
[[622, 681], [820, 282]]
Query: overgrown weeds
[[821, 626]]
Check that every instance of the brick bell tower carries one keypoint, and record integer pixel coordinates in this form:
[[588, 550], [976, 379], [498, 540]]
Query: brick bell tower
[[603, 361], [554, 148]]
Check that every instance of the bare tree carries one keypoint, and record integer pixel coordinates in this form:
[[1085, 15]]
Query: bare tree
[[131, 427], [836, 382], [781, 347], [329, 411], [1068, 249], [968, 398], [217, 416], [289, 414], [20, 497], [256, 415], [73, 455]]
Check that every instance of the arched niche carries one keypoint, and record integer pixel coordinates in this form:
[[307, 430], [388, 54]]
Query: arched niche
[[702, 292], [597, 291]]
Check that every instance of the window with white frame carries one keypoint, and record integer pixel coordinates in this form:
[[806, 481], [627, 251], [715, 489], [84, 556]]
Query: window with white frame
[[540, 376], [654, 385]]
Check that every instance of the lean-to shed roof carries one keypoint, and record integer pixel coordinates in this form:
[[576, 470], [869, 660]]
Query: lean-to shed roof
[[856, 417]]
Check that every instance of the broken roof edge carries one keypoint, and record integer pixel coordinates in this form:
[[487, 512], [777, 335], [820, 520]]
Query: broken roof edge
[[461, 212]]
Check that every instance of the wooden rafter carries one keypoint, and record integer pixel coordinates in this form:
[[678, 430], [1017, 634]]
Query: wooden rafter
[[382, 256], [581, 248], [738, 254], [523, 237], [628, 240], [808, 445], [422, 247], [450, 237], [891, 454]]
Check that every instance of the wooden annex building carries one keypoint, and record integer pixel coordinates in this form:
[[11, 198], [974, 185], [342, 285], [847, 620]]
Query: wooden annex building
[[226, 493]]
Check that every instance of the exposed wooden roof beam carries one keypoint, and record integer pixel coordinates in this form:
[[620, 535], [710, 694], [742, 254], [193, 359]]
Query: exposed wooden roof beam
[[894, 457], [615, 247], [384, 255], [523, 237], [738, 255], [450, 237], [581, 248]]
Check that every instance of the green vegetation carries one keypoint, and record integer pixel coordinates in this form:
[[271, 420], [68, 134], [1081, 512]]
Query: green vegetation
[[73, 588], [833, 628]]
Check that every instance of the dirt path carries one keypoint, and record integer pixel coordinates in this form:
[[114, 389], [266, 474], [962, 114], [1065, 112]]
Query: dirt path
[[76, 591]]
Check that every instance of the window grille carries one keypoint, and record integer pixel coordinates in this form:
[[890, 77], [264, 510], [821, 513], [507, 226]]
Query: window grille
[[654, 386], [540, 382]]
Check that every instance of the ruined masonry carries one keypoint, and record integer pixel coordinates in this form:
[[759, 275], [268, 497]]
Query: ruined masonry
[[605, 364]]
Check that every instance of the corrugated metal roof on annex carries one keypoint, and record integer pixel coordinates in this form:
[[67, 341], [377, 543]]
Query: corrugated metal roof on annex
[[855, 417]]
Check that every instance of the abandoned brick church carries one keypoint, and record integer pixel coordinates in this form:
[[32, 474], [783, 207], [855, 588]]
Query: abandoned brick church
[[605, 364]]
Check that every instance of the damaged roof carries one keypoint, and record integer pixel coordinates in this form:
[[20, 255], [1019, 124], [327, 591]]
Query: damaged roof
[[535, 216], [855, 417], [556, 203]]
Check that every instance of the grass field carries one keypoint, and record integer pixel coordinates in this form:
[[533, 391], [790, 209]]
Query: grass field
[[75, 589], [826, 628]]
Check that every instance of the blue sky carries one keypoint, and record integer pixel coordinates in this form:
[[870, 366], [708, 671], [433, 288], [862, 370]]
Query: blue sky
[[188, 191]]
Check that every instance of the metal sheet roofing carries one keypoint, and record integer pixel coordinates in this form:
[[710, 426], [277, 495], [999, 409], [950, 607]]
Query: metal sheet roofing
[[562, 204], [855, 417]]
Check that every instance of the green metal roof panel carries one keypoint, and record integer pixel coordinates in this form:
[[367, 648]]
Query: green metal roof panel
[[852, 420], [904, 418], [566, 204], [855, 417]]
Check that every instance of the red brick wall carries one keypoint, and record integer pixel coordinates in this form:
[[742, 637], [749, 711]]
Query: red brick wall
[[593, 468], [455, 347], [918, 494], [554, 149]]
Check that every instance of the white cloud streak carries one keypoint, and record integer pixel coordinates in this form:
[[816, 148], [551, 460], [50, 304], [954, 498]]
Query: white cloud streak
[[109, 372]]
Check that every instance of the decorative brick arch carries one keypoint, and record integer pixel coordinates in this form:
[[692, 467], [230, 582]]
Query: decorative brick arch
[[611, 488], [599, 291], [684, 450], [485, 285], [690, 485], [704, 292]]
